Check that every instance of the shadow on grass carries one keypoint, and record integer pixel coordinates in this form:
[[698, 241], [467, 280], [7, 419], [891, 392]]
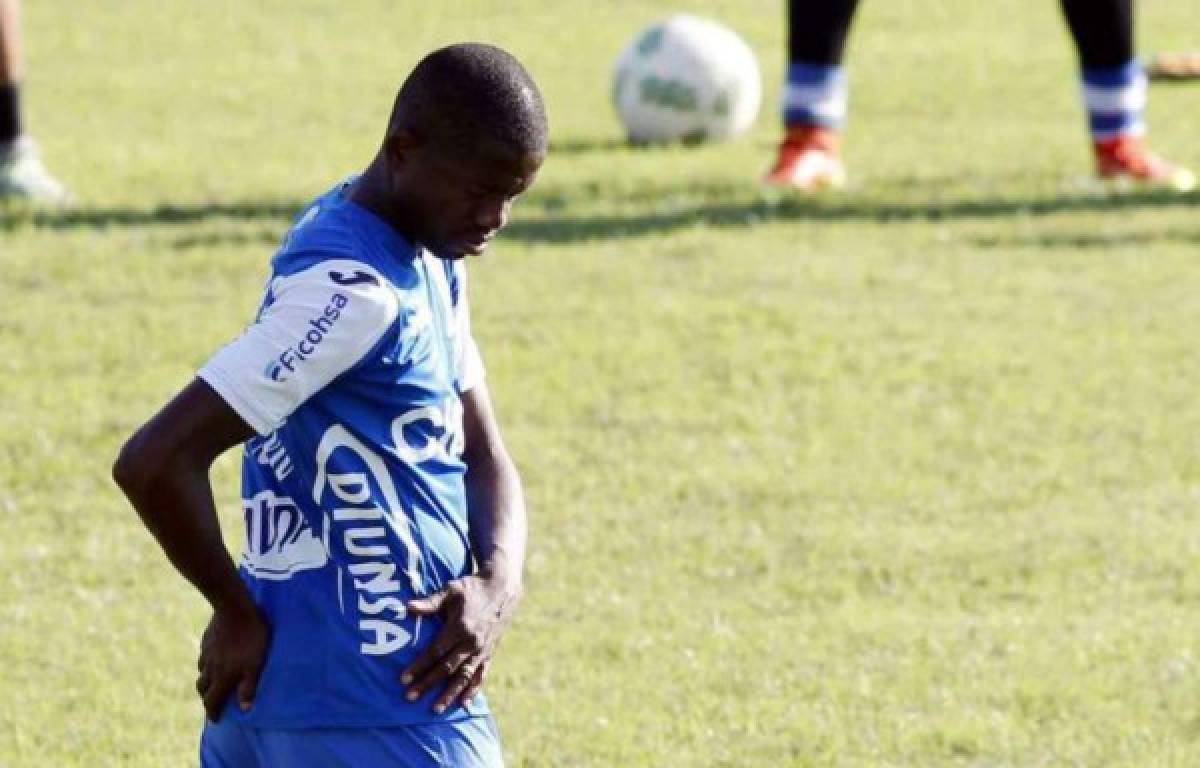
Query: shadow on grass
[[538, 220], [587, 146], [1079, 241], [618, 144], [165, 213], [735, 214]]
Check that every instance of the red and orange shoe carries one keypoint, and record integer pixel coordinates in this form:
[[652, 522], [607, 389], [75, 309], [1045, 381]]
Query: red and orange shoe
[[1125, 160], [808, 160]]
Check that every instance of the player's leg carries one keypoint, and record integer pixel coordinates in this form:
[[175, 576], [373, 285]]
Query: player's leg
[[814, 98], [469, 743], [21, 171], [10, 73], [1114, 92]]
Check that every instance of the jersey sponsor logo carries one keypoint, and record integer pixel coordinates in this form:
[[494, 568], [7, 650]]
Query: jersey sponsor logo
[[279, 541], [362, 506], [358, 278], [429, 433], [269, 452], [278, 368]]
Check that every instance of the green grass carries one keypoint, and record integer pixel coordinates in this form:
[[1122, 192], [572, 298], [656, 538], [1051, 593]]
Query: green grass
[[904, 476]]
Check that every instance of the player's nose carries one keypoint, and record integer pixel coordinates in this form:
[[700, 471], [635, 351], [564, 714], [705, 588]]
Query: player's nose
[[492, 216]]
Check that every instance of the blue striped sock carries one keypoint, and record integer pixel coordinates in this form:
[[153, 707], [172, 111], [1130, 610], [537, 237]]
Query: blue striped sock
[[1115, 100], [815, 95]]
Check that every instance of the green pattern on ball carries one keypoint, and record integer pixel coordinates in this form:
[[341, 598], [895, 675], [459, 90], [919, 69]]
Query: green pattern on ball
[[669, 94], [650, 41]]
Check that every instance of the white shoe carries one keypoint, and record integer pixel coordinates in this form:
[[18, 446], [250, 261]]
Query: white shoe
[[22, 175]]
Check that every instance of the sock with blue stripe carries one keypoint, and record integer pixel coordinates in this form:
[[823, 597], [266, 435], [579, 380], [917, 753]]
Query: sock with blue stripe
[[815, 96], [1115, 99]]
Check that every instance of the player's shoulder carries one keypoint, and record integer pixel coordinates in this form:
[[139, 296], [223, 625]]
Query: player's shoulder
[[319, 234], [323, 238], [336, 277], [332, 228], [323, 260]]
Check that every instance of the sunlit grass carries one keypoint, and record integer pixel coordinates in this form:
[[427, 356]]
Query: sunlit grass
[[902, 476]]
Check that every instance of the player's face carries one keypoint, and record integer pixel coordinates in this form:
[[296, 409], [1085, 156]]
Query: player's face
[[465, 200]]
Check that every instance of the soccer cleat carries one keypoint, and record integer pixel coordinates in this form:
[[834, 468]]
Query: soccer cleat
[[22, 175], [1125, 160], [808, 160], [1184, 65]]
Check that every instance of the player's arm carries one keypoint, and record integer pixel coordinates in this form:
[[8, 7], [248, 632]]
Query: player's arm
[[337, 309], [477, 609], [495, 500], [163, 469]]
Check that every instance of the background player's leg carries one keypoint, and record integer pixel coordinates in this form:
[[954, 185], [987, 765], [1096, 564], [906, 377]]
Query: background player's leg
[[10, 73], [21, 170], [814, 98], [1114, 93], [818, 29]]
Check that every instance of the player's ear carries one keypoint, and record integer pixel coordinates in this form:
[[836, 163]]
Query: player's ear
[[399, 146]]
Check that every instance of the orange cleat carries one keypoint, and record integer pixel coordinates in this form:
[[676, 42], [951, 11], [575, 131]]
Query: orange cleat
[[1125, 160], [808, 160]]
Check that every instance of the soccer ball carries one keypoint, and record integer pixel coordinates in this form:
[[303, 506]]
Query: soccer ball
[[688, 79]]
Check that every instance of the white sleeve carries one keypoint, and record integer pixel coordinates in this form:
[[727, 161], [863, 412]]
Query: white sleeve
[[470, 362], [315, 325]]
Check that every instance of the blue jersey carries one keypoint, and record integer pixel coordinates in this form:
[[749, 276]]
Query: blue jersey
[[353, 488]]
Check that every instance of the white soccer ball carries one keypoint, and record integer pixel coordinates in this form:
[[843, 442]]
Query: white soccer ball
[[689, 79]]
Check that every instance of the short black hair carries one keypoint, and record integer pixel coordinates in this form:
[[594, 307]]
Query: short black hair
[[468, 93]]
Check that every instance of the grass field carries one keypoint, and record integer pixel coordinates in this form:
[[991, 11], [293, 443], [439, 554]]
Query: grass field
[[903, 476]]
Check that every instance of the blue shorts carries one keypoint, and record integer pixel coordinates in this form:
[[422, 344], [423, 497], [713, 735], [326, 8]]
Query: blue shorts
[[469, 743]]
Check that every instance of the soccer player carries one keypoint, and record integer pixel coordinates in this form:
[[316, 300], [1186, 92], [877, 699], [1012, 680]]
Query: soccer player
[[22, 174], [384, 520], [1114, 94]]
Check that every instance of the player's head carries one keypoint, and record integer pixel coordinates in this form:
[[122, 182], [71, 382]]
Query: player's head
[[466, 136]]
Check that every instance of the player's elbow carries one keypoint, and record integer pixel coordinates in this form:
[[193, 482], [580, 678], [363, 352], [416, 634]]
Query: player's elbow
[[125, 469], [136, 467], [491, 466]]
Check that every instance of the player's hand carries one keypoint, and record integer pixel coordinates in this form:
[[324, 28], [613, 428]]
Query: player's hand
[[475, 611], [232, 652]]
